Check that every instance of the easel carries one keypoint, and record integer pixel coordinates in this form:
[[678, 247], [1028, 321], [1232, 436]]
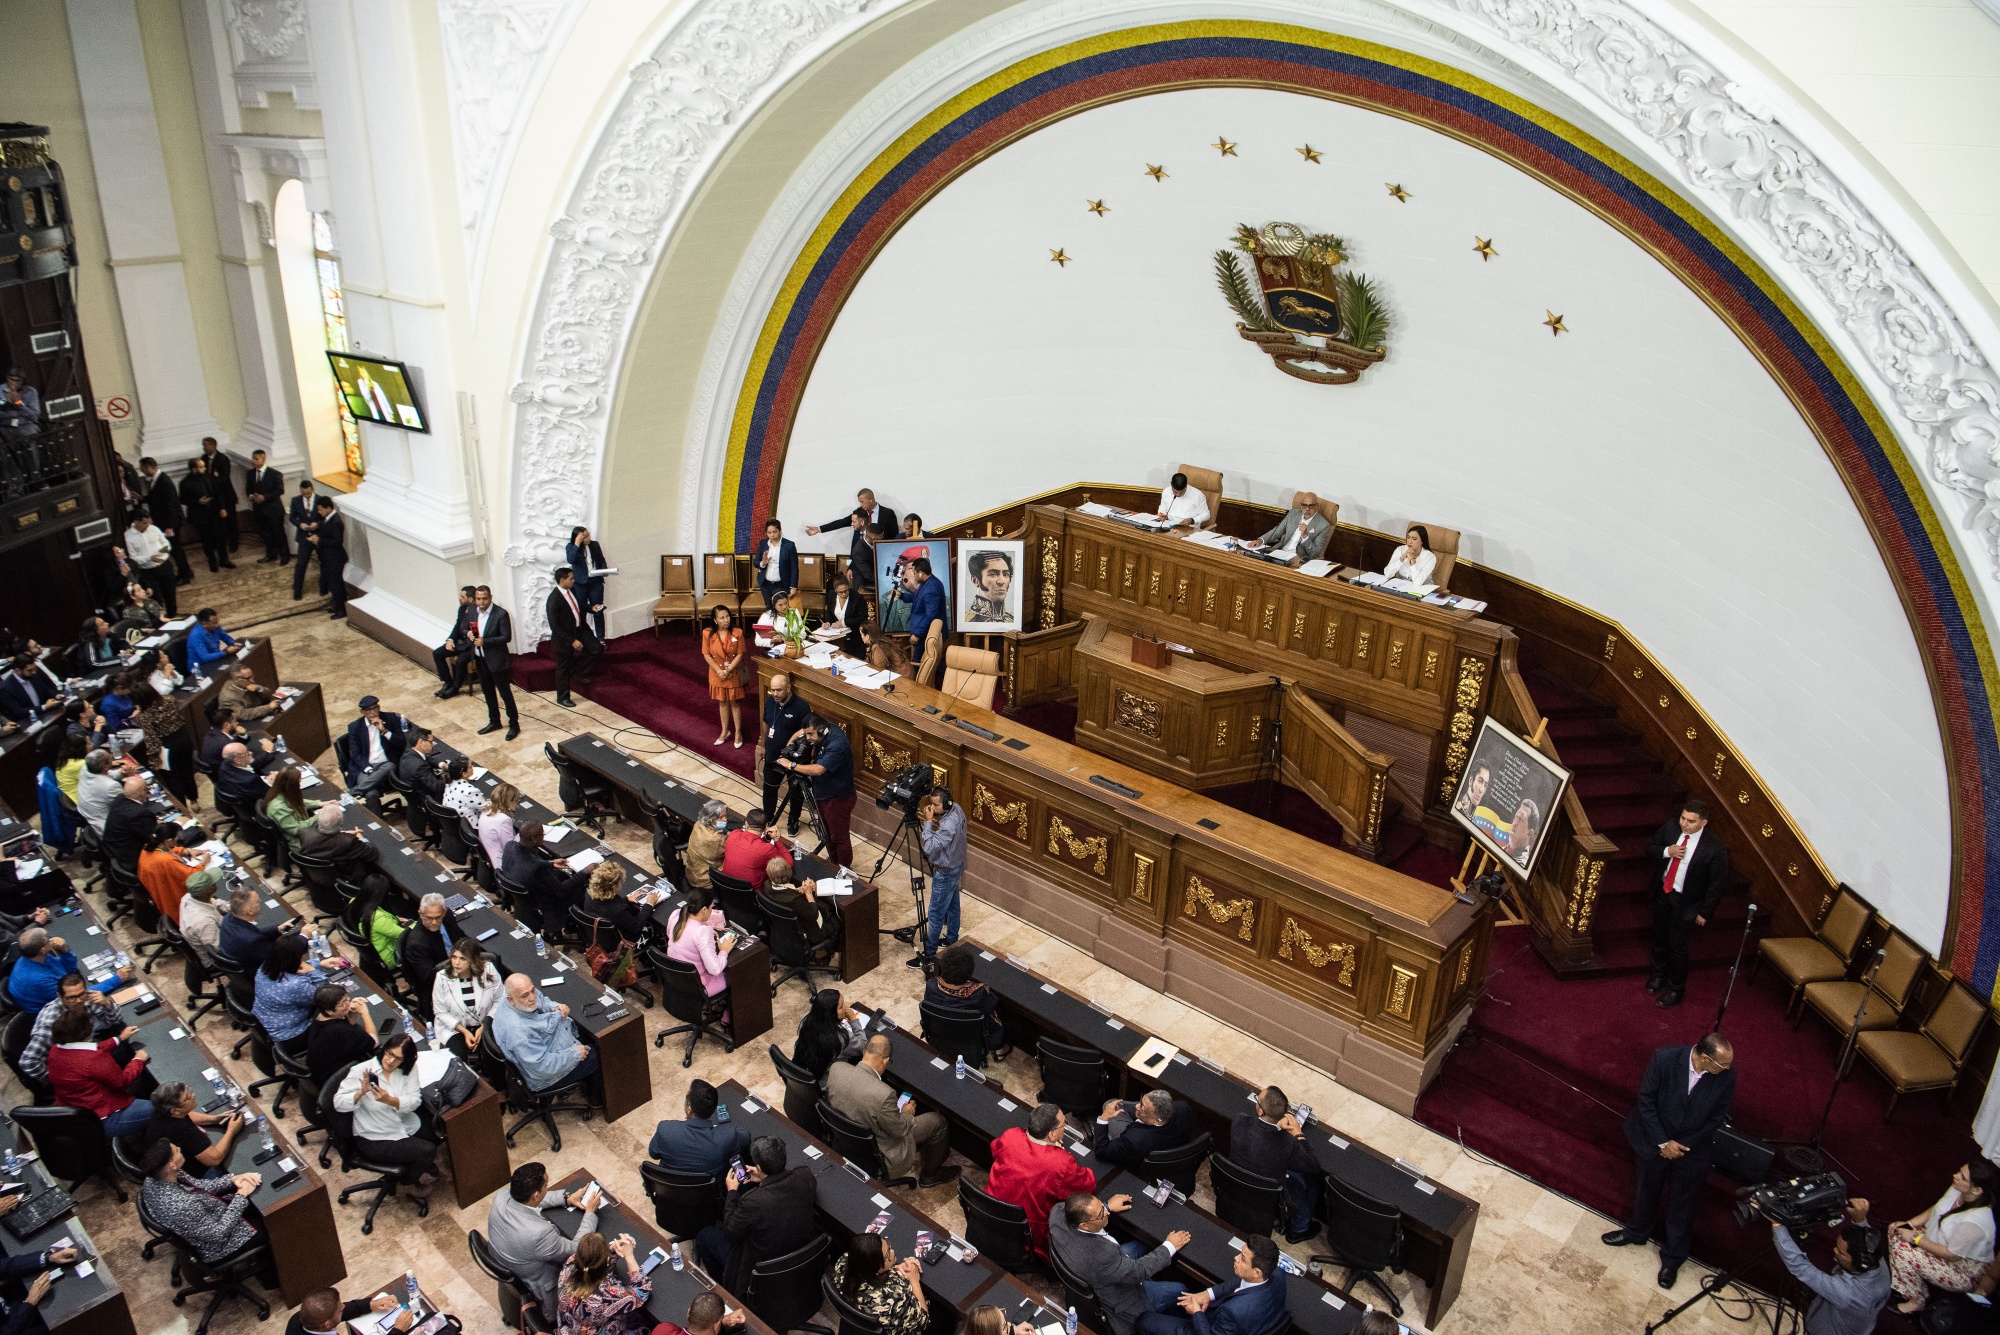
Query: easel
[[1512, 912]]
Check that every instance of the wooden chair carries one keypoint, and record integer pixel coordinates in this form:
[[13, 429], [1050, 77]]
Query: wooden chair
[[753, 595], [1824, 956], [719, 586], [932, 668], [1894, 982], [1208, 482], [971, 675], [677, 598], [1444, 543], [813, 574], [1934, 1056]]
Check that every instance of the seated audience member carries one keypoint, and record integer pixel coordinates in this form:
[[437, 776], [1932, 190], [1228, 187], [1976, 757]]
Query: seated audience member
[[537, 1035], [526, 1242], [70, 766], [768, 1215], [847, 609], [467, 989], [27, 689], [496, 823], [417, 774], [748, 851], [176, 1119], [1033, 1170], [692, 939], [342, 1032], [706, 1316], [84, 1074], [1849, 1299], [1251, 1301], [323, 1313], [831, 1031], [206, 1212], [73, 996], [118, 707], [165, 866], [240, 939], [38, 974], [601, 1290], [222, 730], [374, 745], [353, 857], [237, 781], [912, 1144], [201, 919], [548, 882], [208, 643], [1271, 1143], [817, 921], [427, 945], [705, 845], [242, 694], [101, 783], [604, 898], [952, 988], [868, 1276], [289, 809], [461, 794], [95, 647], [287, 982], [1948, 1245], [700, 1145], [385, 1098], [1120, 1275], [1183, 504], [127, 822], [1127, 1132]]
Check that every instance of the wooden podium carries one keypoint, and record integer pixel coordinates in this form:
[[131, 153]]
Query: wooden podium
[[1199, 724]]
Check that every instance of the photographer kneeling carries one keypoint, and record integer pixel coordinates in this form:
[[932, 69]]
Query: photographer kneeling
[[832, 773], [941, 831], [1848, 1299]]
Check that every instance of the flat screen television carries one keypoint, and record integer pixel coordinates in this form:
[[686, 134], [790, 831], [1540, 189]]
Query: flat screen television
[[378, 391]]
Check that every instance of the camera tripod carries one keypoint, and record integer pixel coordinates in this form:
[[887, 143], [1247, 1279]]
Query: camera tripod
[[809, 814], [1713, 1284], [904, 842]]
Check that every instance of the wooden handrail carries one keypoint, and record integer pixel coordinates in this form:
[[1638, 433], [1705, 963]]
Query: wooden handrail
[[1329, 764]]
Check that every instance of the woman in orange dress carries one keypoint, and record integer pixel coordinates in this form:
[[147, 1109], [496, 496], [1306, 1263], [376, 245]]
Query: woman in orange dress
[[722, 646]]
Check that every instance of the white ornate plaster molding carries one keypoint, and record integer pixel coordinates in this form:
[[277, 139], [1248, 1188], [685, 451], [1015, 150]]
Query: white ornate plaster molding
[[493, 64], [270, 51]]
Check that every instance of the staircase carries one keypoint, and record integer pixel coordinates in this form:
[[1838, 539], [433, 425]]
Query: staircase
[[1628, 796]]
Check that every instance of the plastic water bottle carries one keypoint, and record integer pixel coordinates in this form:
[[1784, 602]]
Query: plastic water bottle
[[674, 1256], [542, 951], [410, 1289], [13, 1161], [1069, 1322], [264, 1140], [281, 746], [960, 1072], [221, 1085]]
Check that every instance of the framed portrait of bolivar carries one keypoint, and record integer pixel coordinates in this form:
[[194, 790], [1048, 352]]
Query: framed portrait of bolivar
[[989, 586]]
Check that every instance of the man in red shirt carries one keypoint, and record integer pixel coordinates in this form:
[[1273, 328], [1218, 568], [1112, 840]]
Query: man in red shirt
[[748, 851], [1031, 1169]]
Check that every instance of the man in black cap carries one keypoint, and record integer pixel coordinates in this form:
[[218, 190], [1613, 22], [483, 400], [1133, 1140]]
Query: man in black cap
[[374, 745]]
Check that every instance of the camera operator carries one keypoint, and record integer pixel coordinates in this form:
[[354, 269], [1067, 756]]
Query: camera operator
[[832, 775], [1848, 1299], [941, 831], [784, 712]]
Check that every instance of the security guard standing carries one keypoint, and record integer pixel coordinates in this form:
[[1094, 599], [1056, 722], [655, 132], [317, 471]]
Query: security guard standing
[[784, 712]]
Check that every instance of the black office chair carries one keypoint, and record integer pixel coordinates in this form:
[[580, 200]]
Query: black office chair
[[465, 834], [123, 893], [738, 900], [784, 1291], [1073, 1078], [266, 1056], [518, 901], [670, 838], [957, 1033], [592, 930], [853, 1321], [264, 835], [90, 853], [1178, 1165], [225, 1278], [789, 947], [238, 1005], [801, 1091], [542, 1105], [686, 1000], [226, 821], [146, 916], [998, 1228], [203, 983], [14, 1042], [586, 799], [511, 1296], [683, 1203], [322, 879], [1079, 1294], [1365, 1236], [1246, 1201], [440, 824], [128, 1168], [852, 1139], [72, 1144], [354, 1156]]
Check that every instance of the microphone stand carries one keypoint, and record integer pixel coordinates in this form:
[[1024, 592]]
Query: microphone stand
[[1808, 1156], [1729, 990]]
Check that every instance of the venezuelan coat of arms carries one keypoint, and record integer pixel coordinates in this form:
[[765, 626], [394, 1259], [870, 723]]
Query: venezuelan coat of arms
[[1316, 321]]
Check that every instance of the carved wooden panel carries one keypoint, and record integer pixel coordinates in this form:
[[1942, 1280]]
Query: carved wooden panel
[[1216, 907], [884, 756], [1000, 808], [1079, 845], [1327, 955]]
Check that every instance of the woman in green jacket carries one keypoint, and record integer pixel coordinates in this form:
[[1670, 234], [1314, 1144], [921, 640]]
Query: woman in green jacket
[[287, 809]]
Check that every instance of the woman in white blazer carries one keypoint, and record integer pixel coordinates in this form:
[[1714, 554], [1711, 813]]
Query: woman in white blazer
[[463, 995], [1414, 560]]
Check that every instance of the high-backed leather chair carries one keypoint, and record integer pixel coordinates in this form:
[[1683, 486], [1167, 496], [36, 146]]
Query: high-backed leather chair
[[1894, 983], [971, 675], [753, 593], [1444, 545], [813, 573], [1823, 956], [677, 598], [1934, 1056], [1208, 482], [932, 668], [719, 586], [1329, 510]]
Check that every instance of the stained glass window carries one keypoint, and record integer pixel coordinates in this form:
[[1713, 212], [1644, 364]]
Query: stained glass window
[[333, 312]]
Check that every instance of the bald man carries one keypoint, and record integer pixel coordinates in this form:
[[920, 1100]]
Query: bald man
[[128, 824], [237, 781], [1301, 535]]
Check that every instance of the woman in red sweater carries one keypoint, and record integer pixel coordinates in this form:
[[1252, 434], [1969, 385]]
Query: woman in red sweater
[[85, 1075]]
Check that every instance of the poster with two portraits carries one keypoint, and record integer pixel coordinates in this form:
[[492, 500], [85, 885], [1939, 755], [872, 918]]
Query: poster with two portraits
[[984, 588], [1508, 797]]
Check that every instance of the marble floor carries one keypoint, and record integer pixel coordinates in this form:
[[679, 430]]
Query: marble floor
[[1536, 1264]]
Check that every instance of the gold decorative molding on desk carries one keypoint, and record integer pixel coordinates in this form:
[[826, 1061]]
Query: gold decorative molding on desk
[[1318, 957], [1220, 911], [1095, 850]]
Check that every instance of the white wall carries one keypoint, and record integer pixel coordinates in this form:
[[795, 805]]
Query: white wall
[[1644, 465]]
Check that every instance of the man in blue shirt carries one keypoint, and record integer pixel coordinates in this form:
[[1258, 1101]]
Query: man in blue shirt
[[538, 1036], [1846, 1300], [924, 592], [941, 831], [700, 1145], [832, 773], [37, 977], [208, 642]]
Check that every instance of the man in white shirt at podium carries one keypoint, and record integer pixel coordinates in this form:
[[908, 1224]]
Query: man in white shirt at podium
[[1182, 504]]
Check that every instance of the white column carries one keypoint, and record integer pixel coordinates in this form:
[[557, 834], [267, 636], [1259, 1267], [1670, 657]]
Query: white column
[[139, 228]]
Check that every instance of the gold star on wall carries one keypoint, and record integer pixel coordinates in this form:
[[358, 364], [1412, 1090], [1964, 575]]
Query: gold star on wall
[[1483, 248], [1058, 257], [1097, 207], [1555, 323], [1224, 147], [1157, 173], [1397, 193], [1309, 153]]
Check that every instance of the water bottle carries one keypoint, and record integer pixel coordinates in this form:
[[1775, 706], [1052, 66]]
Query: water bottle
[[542, 952], [13, 1161], [281, 746], [960, 1073], [122, 959], [264, 1140], [410, 1289], [1069, 1322], [674, 1255]]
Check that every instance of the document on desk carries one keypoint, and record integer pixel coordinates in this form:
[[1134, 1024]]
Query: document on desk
[[1095, 509], [835, 885], [1318, 569], [585, 860], [1152, 1056]]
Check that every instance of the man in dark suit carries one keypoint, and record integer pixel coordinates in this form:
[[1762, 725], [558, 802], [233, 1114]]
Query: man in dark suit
[[330, 540], [776, 563], [304, 519], [163, 502], [575, 645], [1120, 1275], [548, 882], [1128, 1132], [417, 775], [20, 1312], [352, 856], [1251, 1302], [375, 743], [222, 485], [865, 515], [128, 824], [491, 631], [237, 781], [699, 1145], [1270, 1142], [1692, 874], [453, 658], [768, 1215], [27, 690], [1683, 1101], [265, 486]]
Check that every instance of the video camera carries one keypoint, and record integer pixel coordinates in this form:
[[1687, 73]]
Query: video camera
[[1800, 1204], [910, 786], [800, 749]]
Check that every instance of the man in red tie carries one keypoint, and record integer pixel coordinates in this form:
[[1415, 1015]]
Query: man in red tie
[[570, 635], [1694, 867]]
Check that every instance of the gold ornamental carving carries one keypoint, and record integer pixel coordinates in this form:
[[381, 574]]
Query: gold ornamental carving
[[1742, 797], [883, 760], [1152, 584], [1076, 561], [1221, 733], [1256, 726], [1219, 910], [1464, 966], [1715, 770], [1136, 713], [1208, 598], [1583, 893], [1402, 992], [1361, 645], [1395, 655], [1767, 831], [1298, 625], [1430, 663], [1142, 878], [1009, 816], [1130, 562], [1332, 633], [1051, 567], [1180, 591], [1103, 566], [1317, 956], [1466, 695], [1270, 613], [1692, 734], [1665, 701], [1238, 615], [1638, 674], [1377, 789], [1610, 645], [1095, 850]]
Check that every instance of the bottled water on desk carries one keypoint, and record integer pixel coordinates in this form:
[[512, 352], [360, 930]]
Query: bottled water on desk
[[674, 1255], [1069, 1322], [281, 746], [13, 1164], [960, 1072], [221, 1085], [410, 1289], [264, 1140], [542, 951]]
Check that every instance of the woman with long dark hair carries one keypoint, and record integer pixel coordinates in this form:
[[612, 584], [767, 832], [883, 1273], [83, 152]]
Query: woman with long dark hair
[[869, 1277], [583, 555], [1948, 1245], [829, 1032]]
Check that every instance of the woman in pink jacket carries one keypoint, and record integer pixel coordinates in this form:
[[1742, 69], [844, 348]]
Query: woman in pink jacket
[[691, 939]]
